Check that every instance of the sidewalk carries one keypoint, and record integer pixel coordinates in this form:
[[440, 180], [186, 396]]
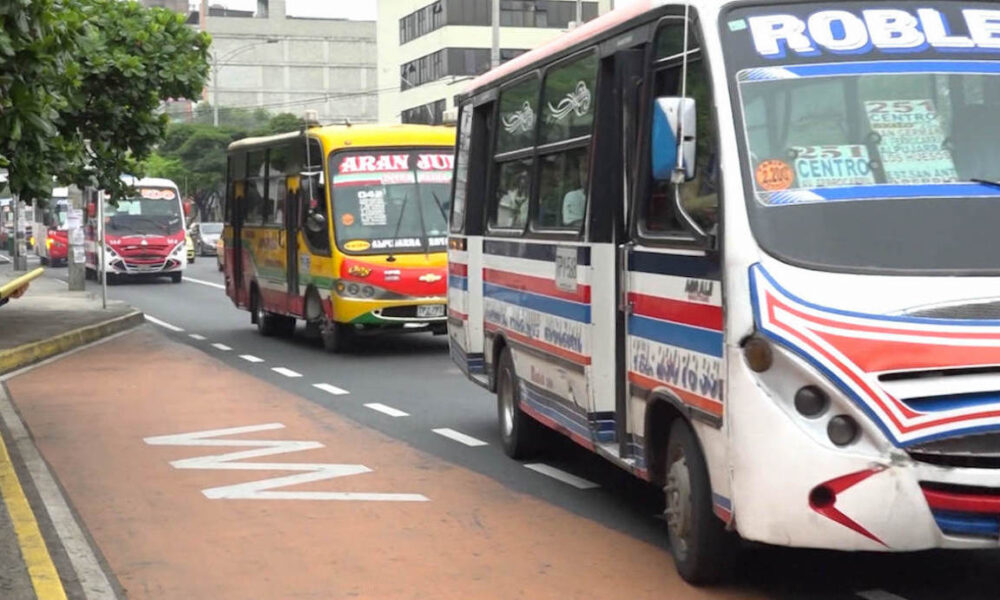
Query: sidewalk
[[45, 322], [49, 320]]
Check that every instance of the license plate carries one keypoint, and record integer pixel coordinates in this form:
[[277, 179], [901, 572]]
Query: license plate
[[426, 311]]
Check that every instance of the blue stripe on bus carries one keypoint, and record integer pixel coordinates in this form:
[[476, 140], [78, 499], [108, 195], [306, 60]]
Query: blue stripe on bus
[[895, 67], [699, 267], [553, 306], [674, 334], [532, 251], [458, 282]]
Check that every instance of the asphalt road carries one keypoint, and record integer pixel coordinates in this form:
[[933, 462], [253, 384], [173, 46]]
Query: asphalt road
[[406, 387]]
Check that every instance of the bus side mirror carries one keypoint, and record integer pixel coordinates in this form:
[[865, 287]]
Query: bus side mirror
[[673, 117], [316, 222]]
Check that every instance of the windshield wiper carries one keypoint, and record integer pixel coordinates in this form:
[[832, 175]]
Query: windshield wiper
[[986, 182], [395, 234], [440, 206]]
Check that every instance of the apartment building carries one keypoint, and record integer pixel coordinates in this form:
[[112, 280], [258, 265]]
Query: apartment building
[[428, 48]]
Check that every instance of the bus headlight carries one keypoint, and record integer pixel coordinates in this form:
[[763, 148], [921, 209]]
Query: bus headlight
[[364, 291], [178, 250], [811, 401]]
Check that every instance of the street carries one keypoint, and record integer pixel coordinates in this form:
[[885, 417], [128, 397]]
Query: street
[[404, 395]]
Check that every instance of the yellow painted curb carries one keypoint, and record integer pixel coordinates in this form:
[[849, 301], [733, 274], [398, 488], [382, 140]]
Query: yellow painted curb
[[41, 570], [22, 356]]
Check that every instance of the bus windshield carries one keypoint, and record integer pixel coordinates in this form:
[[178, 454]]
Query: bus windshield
[[59, 211], [391, 201], [863, 154], [151, 211]]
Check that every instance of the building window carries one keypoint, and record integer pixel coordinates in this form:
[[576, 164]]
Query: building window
[[426, 114], [458, 62], [556, 14]]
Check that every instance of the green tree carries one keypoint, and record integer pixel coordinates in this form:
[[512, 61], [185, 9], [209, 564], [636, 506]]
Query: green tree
[[97, 73]]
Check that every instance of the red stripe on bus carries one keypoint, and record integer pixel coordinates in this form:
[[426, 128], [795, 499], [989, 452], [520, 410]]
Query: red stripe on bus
[[679, 311], [462, 270], [536, 285], [549, 348]]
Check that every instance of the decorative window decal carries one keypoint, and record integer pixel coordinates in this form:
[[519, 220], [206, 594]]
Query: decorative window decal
[[577, 102], [520, 121]]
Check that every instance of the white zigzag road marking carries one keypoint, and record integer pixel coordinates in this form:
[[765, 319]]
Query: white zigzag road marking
[[264, 489]]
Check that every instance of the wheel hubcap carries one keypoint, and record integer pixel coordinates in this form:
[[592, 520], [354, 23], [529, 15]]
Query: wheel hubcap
[[678, 504], [507, 404]]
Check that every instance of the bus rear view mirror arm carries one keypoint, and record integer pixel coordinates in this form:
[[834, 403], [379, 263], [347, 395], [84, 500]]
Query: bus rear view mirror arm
[[675, 130]]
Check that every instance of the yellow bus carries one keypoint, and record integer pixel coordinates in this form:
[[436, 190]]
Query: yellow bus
[[342, 227]]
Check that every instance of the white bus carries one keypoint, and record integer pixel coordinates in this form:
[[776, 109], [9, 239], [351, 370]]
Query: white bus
[[760, 269]]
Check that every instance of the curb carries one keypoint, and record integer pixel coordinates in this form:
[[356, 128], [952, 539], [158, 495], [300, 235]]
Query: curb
[[22, 356]]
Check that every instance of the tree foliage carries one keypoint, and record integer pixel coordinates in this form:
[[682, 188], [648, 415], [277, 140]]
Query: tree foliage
[[199, 149], [81, 83]]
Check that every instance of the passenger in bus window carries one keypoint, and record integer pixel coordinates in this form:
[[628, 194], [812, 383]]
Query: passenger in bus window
[[574, 204], [512, 208]]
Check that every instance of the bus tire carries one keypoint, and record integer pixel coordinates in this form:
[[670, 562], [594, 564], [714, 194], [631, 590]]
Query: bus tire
[[176, 277], [267, 323], [335, 336], [43, 261], [519, 433], [699, 543], [284, 326], [89, 273]]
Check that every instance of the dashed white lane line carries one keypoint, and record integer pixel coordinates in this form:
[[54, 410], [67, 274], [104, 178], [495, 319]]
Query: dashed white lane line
[[558, 474], [163, 324], [451, 434], [330, 389], [196, 336], [387, 410], [878, 595], [203, 282], [286, 372], [251, 358], [222, 347]]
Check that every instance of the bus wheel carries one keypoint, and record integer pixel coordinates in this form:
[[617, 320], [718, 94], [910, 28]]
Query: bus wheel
[[335, 336], [699, 543], [89, 273], [267, 323], [176, 277], [284, 326], [518, 432]]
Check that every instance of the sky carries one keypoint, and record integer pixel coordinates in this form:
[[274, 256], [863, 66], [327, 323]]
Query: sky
[[343, 9]]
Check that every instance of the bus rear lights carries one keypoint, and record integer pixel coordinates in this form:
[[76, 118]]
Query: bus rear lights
[[843, 430], [811, 402], [758, 354]]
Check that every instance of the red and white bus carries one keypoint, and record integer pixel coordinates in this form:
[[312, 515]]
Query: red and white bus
[[49, 230], [144, 232]]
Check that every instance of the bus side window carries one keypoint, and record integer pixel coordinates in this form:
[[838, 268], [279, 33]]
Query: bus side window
[[700, 196], [256, 187], [278, 164], [513, 163]]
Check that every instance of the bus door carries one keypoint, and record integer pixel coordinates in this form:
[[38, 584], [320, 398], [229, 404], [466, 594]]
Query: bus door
[[291, 242], [672, 284], [235, 209]]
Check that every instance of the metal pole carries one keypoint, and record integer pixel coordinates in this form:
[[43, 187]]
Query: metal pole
[[20, 250], [579, 12], [103, 245], [495, 52]]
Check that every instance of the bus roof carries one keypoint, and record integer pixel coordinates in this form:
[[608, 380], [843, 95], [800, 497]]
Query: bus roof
[[340, 136], [148, 181], [589, 30]]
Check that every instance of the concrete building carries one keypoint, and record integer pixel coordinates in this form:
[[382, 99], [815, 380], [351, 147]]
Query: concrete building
[[428, 48], [265, 59]]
